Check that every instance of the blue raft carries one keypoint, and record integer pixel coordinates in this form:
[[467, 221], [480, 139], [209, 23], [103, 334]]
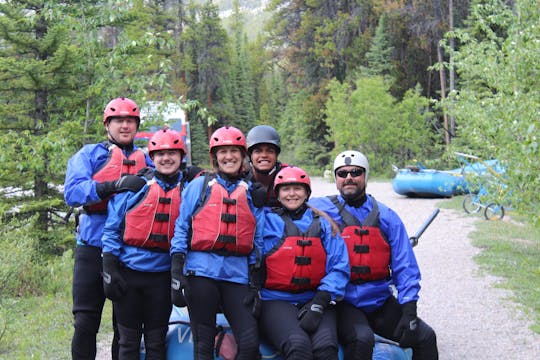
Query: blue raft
[[414, 181], [180, 341]]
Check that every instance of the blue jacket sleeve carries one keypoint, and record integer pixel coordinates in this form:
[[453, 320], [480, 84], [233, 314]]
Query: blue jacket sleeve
[[116, 210], [79, 188], [190, 199], [256, 254], [405, 271]]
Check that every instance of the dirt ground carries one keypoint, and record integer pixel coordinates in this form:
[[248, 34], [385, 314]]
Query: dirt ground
[[473, 318]]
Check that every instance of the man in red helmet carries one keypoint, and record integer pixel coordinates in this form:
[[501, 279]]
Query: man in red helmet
[[94, 174], [136, 243]]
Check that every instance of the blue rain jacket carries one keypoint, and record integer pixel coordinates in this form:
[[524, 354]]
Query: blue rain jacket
[[80, 190], [209, 264], [134, 257], [405, 272]]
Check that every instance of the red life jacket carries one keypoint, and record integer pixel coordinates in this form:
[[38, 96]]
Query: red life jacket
[[224, 222], [150, 223], [369, 251], [298, 261], [114, 167]]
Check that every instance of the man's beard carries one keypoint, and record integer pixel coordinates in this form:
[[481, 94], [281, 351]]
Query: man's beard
[[356, 198]]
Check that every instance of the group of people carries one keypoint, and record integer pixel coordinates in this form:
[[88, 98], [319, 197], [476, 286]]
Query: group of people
[[243, 239]]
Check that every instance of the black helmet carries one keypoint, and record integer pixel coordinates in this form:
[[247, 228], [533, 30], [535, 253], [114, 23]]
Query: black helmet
[[263, 134]]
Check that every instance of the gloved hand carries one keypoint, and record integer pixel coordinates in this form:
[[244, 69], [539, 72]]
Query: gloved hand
[[310, 315], [253, 301], [253, 298], [114, 284], [127, 182], [406, 330], [258, 194], [178, 280]]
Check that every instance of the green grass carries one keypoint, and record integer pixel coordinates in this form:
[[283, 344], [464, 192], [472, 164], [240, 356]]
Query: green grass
[[41, 327], [510, 250]]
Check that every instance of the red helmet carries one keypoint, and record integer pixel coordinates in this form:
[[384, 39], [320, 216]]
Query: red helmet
[[121, 107], [228, 135], [292, 175], [166, 139]]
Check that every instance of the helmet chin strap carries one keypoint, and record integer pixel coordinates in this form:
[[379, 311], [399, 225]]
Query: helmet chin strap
[[128, 147]]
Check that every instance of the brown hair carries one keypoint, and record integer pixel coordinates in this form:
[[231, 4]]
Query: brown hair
[[335, 227]]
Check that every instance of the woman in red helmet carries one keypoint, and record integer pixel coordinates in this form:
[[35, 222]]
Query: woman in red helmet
[[217, 241], [306, 270], [136, 243]]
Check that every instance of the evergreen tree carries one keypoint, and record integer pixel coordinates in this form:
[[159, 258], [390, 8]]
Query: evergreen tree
[[60, 63], [379, 56], [242, 84]]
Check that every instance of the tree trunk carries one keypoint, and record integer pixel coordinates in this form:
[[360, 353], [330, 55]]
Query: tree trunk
[[451, 72], [442, 79]]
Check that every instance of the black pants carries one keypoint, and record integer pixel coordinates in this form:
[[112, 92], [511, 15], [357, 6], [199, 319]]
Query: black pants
[[357, 328], [279, 325], [205, 298], [88, 301], [144, 309]]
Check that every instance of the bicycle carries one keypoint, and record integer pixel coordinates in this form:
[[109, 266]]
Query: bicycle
[[472, 203]]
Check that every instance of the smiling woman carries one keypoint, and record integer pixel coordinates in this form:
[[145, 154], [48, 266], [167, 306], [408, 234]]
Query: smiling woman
[[306, 271]]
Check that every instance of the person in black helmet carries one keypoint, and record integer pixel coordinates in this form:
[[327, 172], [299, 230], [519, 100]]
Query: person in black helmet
[[263, 143]]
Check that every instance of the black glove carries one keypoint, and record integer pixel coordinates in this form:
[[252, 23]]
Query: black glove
[[310, 315], [146, 172], [114, 284], [406, 330], [258, 194], [127, 182], [178, 280], [253, 298]]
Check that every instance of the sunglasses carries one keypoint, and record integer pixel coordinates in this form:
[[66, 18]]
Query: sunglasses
[[354, 173]]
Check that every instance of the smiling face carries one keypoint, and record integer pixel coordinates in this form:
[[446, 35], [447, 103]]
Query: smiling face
[[229, 159], [351, 181], [122, 130], [264, 157], [167, 162], [292, 196]]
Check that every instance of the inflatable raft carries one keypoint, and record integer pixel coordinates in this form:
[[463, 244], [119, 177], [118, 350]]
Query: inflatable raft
[[414, 181], [180, 341]]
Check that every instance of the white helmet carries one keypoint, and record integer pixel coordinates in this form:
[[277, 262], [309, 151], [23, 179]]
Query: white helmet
[[351, 157]]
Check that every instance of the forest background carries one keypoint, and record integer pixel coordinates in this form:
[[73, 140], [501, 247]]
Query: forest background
[[402, 81]]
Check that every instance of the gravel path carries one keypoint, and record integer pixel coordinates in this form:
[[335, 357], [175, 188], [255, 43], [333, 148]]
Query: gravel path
[[473, 318]]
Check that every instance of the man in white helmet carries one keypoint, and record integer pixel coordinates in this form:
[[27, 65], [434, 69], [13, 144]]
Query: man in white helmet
[[381, 257]]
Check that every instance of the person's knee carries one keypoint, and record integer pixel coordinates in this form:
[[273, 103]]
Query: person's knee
[[204, 339], [87, 322], [325, 344], [129, 341], [298, 347], [154, 342], [358, 345], [248, 344]]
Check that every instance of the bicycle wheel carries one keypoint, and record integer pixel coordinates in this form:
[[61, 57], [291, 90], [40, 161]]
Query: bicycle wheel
[[470, 204], [494, 211]]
